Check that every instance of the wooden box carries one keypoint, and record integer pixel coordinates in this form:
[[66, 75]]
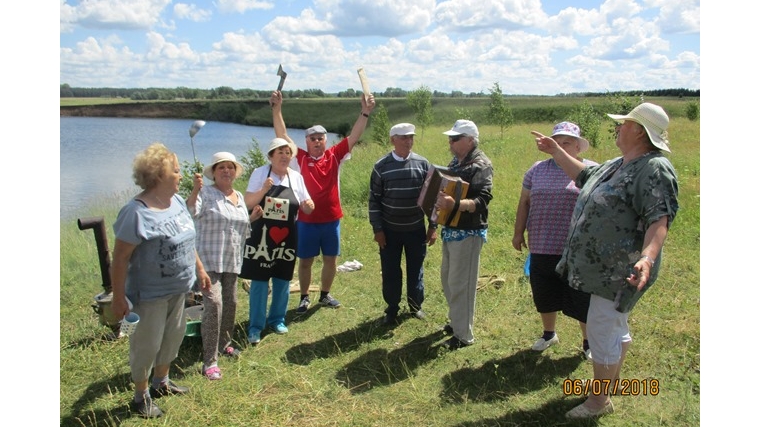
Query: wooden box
[[436, 181]]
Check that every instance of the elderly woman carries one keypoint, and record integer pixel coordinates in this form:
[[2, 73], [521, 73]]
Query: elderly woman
[[614, 246], [545, 207], [274, 194], [155, 265], [460, 257], [223, 224]]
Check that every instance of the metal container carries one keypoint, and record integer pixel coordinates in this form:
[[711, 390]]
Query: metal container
[[102, 307]]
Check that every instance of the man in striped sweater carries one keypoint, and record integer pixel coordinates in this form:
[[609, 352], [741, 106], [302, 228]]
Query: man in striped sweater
[[398, 223]]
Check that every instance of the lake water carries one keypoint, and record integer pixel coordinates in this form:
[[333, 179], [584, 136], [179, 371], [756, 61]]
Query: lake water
[[97, 152]]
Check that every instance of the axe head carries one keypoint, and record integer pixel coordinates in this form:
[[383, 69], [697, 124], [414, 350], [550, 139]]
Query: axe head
[[282, 75]]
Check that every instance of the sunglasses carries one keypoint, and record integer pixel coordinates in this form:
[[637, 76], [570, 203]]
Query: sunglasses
[[456, 138]]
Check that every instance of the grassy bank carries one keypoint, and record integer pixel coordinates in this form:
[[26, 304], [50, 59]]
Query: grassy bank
[[339, 368], [338, 114]]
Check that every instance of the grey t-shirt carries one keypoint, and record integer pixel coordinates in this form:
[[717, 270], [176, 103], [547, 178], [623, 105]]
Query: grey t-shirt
[[163, 263]]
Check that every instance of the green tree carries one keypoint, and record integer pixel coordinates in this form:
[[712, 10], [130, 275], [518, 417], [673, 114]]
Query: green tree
[[380, 125], [419, 100], [66, 91], [692, 110], [499, 111], [589, 120], [464, 113], [251, 160], [620, 103], [188, 173], [343, 129]]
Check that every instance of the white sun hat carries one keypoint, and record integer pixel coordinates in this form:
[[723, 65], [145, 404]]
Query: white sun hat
[[281, 142], [654, 120], [220, 157]]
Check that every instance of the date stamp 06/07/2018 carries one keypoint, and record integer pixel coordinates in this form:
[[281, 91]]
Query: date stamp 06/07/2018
[[620, 387]]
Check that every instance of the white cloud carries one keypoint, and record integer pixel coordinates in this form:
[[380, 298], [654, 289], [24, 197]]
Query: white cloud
[[111, 58], [629, 38], [191, 12], [464, 45], [614, 9], [361, 18], [161, 50], [68, 17], [578, 22], [116, 14], [241, 6], [680, 16], [467, 15]]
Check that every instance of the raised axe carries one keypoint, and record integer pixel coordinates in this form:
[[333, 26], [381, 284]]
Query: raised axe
[[282, 75]]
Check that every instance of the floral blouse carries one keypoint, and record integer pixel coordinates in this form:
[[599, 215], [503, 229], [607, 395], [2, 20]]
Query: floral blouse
[[610, 220]]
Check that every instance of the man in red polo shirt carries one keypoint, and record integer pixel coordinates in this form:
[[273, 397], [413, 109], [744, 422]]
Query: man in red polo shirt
[[320, 167]]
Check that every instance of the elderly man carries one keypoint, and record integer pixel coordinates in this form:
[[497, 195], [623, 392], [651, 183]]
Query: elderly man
[[319, 231], [460, 258], [398, 223]]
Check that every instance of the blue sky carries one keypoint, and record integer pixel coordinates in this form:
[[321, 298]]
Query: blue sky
[[527, 46]]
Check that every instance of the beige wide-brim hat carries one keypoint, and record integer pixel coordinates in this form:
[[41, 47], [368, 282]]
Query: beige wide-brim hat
[[281, 142], [655, 121], [220, 157]]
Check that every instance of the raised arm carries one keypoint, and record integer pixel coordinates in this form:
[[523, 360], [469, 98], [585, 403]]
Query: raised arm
[[280, 131], [368, 105], [570, 165], [192, 199]]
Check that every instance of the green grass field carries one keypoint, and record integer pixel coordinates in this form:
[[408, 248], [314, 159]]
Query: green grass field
[[340, 368]]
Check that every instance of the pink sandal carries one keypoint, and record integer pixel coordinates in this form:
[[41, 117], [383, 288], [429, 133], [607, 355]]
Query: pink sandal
[[213, 373]]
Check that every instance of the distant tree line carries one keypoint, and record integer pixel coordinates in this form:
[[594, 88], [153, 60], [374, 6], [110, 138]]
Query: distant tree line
[[228, 93]]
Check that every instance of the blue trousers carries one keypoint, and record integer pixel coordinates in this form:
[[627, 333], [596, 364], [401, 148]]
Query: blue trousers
[[257, 316], [412, 244]]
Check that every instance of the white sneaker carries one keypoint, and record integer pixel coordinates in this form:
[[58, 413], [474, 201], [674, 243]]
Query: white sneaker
[[543, 344], [588, 355], [581, 412]]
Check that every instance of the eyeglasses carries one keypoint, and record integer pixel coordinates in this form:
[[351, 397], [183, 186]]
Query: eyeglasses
[[455, 138], [316, 138]]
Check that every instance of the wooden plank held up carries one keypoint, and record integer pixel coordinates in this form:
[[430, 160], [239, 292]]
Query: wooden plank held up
[[436, 181]]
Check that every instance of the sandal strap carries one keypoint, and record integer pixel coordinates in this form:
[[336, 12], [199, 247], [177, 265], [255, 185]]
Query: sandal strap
[[231, 351], [213, 373]]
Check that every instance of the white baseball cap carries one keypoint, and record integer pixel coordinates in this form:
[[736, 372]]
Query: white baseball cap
[[463, 127]]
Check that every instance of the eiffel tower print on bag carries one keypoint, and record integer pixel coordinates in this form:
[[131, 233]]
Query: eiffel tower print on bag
[[271, 249]]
